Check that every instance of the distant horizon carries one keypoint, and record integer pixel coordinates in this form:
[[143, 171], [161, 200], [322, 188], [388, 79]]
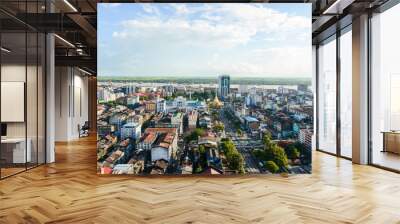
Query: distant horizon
[[235, 80], [200, 77]]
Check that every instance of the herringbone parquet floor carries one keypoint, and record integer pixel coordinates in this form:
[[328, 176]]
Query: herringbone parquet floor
[[69, 191]]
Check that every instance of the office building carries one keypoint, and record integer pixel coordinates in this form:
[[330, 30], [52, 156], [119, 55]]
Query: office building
[[224, 86]]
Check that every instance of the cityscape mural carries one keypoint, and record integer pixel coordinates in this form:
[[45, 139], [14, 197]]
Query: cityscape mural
[[204, 89]]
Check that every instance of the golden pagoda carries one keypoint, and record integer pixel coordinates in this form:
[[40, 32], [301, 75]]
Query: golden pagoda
[[216, 103]]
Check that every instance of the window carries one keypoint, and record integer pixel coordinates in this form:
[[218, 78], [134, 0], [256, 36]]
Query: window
[[346, 93], [385, 89], [327, 96]]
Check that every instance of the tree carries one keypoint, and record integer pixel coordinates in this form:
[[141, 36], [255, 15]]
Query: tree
[[145, 125], [219, 127], [292, 152], [202, 149], [271, 166], [202, 156], [236, 162], [234, 159], [272, 152], [280, 157], [194, 135], [198, 169], [268, 143]]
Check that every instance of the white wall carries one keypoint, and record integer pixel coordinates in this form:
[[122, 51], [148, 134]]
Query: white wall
[[34, 125], [12, 73], [71, 102]]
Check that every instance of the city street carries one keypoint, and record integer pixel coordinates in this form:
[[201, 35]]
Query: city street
[[243, 145]]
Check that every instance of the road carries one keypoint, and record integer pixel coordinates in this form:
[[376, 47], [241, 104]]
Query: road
[[243, 145]]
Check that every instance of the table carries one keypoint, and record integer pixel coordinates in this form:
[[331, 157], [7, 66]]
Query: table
[[391, 141], [13, 150]]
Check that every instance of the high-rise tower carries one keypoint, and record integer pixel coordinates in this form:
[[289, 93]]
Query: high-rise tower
[[224, 82]]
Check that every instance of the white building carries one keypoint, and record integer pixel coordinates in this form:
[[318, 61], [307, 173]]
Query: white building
[[192, 119], [180, 102], [132, 100], [165, 147], [106, 94], [161, 106], [118, 120], [131, 130], [243, 89], [305, 137], [177, 121]]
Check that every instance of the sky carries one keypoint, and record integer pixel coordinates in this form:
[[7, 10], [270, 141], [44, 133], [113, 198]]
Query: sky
[[196, 39]]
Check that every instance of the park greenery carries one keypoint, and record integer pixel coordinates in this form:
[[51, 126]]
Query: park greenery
[[234, 159], [274, 153]]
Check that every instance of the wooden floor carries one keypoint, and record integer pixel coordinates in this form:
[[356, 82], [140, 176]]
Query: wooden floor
[[69, 191]]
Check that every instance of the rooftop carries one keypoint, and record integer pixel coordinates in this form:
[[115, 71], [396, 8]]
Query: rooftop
[[131, 125], [250, 119]]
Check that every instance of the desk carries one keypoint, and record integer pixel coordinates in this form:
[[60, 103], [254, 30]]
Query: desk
[[13, 150], [391, 141]]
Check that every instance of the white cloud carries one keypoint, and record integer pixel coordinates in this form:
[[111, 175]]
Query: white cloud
[[110, 5], [180, 9], [240, 23], [237, 39], [271, 61]]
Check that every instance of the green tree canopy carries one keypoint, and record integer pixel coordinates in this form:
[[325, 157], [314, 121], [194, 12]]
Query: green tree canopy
[[272, 152], [271, 166], [219, 127], [194, 135], [234, 158], [292, 152]]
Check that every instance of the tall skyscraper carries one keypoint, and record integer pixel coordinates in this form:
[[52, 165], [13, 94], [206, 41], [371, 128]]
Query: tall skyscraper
[[224, 82]]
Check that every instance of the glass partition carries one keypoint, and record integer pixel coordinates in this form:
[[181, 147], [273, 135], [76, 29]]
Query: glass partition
[[13, 91], [385, 89], [327, 96], [22, 91]]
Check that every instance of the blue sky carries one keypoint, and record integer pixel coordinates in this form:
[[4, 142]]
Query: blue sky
[[246, 40]]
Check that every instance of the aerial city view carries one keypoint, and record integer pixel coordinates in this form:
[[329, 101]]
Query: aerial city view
[[203, 128], [203, 89]]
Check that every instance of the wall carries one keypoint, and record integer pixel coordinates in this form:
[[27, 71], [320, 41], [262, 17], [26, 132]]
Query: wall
[[14, 73], [71, 102], [33, 127]]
